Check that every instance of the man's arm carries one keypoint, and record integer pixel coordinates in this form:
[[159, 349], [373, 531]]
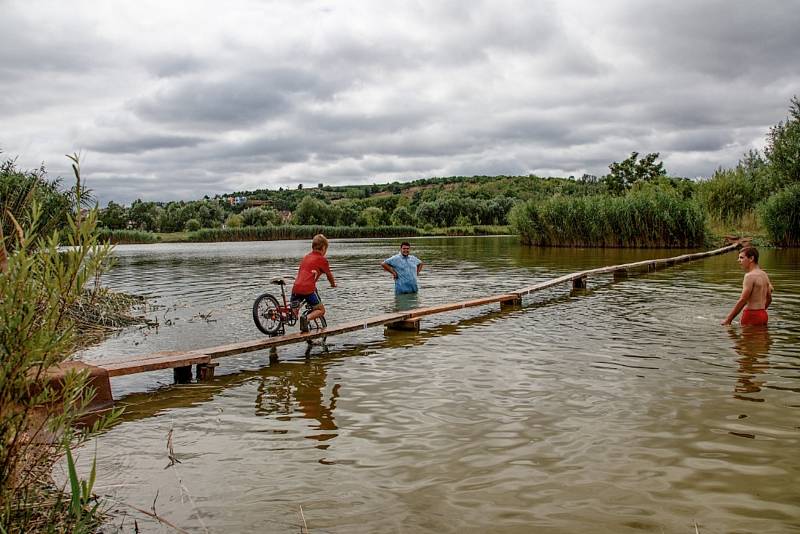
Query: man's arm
[[747, 289], [769, 296], [419, 267], [388, 268]]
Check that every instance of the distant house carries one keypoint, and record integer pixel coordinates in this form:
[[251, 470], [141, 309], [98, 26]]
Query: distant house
[[254, 203], [235, 201]]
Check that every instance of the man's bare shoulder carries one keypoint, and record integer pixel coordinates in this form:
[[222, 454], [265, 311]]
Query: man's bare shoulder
[[756, 276]]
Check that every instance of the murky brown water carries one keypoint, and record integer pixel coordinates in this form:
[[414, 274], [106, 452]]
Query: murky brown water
[[624, 408]]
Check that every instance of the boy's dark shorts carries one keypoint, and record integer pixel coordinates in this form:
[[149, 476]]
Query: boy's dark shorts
[[312, 299]]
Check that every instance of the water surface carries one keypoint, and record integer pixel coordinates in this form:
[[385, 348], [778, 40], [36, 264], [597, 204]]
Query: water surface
[[622, 408]]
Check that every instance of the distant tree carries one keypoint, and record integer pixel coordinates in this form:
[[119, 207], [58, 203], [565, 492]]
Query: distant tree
[[260, 217], [211, 214], [312, 210], [626, 173], [783, 148], [347, 213], [372, 216], [144, 215], [114, 217], [234, 221], [402, 216], [193, 225]]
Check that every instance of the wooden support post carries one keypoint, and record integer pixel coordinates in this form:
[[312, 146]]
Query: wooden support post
[[620, 274], [273, 354], [205, 371], [182, 375], [510, 303], [410, 325], [579, 283]]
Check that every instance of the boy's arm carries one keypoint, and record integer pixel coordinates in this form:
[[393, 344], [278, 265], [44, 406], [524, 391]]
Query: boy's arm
[[331, 280], [747, 289]]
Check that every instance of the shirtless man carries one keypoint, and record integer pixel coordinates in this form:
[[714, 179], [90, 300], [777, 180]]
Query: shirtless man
[[756, 291]]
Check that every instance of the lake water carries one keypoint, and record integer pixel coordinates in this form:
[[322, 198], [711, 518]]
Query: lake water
[[625, 407]]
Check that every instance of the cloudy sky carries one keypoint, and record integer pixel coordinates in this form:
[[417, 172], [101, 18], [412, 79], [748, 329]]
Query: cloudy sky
[[177, 99]]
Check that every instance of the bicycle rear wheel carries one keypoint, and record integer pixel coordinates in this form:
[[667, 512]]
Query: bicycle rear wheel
[[267, 314]]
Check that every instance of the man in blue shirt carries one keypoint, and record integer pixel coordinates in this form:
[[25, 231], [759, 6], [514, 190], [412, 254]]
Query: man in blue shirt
[[404, 268]]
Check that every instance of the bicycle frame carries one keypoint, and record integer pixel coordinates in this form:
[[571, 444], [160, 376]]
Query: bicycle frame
[[287, 313]]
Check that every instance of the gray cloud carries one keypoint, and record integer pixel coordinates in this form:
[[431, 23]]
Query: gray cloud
[[137, 145]]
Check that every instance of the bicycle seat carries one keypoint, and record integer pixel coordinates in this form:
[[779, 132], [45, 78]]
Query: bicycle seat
[[278, 281]]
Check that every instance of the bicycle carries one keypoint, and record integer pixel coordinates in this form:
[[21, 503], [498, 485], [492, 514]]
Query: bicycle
[[271, 317]]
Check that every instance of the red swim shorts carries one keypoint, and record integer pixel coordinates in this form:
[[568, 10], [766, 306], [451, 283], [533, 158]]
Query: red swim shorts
[[754, 317]]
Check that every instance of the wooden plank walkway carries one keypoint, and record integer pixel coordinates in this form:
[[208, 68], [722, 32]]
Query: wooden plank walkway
[[204, 357]]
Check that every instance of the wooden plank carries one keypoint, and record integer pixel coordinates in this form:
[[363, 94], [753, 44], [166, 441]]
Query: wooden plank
[[625, 266], [144, 364], [173, 359], [296, 337], [431, 310]]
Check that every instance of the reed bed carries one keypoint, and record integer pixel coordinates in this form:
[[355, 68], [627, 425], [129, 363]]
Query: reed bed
[[650, 219], [126, 237], [275, 233], [99, 312], [471, 230]]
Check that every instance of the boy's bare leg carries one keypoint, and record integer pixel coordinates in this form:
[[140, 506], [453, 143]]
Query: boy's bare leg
[[316, 313]]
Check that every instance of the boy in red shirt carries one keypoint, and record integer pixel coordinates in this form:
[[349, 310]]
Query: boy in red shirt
[[305, 283]]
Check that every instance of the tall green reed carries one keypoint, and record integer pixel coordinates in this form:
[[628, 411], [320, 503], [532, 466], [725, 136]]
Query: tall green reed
[[648, 218], [274, 233]]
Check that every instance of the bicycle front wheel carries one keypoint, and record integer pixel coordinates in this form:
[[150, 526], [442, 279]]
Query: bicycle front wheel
[[267, 314]]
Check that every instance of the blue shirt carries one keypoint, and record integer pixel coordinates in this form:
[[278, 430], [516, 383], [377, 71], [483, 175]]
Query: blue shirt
[[406, 269]]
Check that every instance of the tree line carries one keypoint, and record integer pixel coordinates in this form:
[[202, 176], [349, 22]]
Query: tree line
[[763, 186]]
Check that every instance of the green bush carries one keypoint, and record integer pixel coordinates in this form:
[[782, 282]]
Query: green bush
[[40, 282], [733, 193], [645, 218], [780, 215], [18, 190]]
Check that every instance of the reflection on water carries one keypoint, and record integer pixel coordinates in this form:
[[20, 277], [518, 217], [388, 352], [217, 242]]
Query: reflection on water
[[752, 345], [623, 407], [301, 390]]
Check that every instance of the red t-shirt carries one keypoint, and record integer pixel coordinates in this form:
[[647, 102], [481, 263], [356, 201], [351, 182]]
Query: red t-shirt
[[311, 268]]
